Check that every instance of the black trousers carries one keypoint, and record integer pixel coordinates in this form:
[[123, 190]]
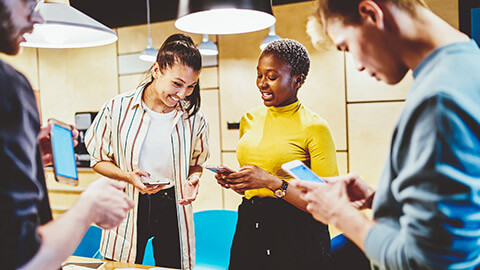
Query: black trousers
[[157, 217], [273, 234]]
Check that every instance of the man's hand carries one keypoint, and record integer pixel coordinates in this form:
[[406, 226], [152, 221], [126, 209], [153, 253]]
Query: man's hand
[[46, 145], [359, 192], [338, 195], [108, 202]]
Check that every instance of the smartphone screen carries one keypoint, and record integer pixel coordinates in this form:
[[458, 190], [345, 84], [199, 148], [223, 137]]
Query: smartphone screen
[[304, 173], [63, 153]]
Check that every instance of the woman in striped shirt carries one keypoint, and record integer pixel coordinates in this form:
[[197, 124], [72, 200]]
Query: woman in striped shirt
[[154, 133]]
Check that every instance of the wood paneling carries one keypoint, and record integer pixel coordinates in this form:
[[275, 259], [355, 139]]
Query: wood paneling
[[209, 77], [76, 80], [370, 128], [362, 87], [129, 83], [342, 162], [210, 193]]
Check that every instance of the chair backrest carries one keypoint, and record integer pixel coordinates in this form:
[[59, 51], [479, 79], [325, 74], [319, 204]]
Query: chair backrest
[[214, 230], [90, 244], [148, 258]]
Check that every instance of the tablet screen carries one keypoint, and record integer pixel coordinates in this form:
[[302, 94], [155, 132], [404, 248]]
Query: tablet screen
[[63, 153]]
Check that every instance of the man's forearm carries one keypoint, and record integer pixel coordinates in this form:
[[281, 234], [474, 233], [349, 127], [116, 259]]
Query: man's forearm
[[60, 237], [354, 225]]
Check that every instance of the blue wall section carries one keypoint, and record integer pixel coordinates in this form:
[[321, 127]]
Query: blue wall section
[[475, 18]]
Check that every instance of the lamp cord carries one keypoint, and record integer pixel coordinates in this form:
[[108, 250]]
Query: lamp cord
[[148, 17]]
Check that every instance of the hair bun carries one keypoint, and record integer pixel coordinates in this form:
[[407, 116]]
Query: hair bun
[[179, 37]]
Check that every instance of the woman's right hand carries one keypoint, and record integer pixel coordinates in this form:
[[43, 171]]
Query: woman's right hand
[[135, 178], [223, 182]]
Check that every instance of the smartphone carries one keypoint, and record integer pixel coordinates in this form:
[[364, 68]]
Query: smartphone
[[64, 164], [220, 169], [148, 181], [297, 169]]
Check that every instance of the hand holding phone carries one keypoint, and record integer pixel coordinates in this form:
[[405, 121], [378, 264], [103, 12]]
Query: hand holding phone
[[299, 170], [64, 164], [148, 181], [221, 169]]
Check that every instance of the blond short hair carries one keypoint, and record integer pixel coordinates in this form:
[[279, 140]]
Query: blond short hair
[[347, 11]]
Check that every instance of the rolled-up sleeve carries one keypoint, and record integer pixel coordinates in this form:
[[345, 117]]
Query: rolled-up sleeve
[[438, 190], [98, 137], [200, 145]]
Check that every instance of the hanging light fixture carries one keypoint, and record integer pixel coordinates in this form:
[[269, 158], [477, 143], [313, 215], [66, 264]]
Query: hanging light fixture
[[207, 47], [269, 38], [149, 54], [219, 17], [66, 27]]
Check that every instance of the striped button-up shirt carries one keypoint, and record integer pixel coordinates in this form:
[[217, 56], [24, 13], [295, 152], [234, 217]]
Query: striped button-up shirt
[[117, 135]]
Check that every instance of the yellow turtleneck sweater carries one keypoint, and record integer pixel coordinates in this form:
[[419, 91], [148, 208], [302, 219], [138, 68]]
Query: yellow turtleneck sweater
[[271, 136]]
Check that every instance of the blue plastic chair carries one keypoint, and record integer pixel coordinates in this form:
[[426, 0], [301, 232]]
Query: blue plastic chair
[[346, 255], [148, 258], [214, 230], [90, 244]]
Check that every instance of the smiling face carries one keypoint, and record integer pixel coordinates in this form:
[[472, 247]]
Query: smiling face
[[275, 81], [370, 47], [171, 85], [17, 18]]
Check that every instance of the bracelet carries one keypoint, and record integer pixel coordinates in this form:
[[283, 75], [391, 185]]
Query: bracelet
[[193, 176]]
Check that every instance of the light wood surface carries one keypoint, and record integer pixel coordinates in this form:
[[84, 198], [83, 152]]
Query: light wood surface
[[109, 265]]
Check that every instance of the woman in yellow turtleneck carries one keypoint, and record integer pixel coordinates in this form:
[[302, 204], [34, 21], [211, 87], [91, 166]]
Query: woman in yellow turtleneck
[[274, 231]]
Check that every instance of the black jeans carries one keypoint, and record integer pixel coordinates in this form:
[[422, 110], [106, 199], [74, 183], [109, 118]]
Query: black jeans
[[157, 217], [273, 234]]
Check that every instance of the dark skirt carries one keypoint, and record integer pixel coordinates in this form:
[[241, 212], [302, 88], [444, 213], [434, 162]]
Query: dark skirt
[[273, 234]]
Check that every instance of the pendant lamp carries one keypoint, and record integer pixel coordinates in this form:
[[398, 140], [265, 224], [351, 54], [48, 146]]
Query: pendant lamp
[[269, 38], [66, 27], [207, 47], [220, 17], [149, 54]]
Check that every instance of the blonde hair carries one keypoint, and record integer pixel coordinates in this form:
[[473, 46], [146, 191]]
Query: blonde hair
[[347, 11]]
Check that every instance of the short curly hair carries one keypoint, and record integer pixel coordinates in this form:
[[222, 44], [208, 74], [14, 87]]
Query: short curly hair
[[290, 52]]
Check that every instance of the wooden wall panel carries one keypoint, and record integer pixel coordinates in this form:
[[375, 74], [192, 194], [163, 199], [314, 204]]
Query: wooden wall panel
[[129, 83], [210, 195], [370, 128], [342, 163], [362, 87], [209, 77], [76, 80], [238, 57]]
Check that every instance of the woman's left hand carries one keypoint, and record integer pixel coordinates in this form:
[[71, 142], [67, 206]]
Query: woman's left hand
[[251, 177], [190, 190]]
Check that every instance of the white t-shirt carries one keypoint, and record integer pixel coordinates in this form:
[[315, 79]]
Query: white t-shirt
[[156, 152]]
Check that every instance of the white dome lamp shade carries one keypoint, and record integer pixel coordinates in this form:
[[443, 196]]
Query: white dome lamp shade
[[65, 27], [221, 17], [207, 47], [149, 54], [269, 38]]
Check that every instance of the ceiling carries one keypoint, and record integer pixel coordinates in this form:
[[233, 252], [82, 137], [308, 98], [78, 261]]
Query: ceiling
[[118, 13]]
